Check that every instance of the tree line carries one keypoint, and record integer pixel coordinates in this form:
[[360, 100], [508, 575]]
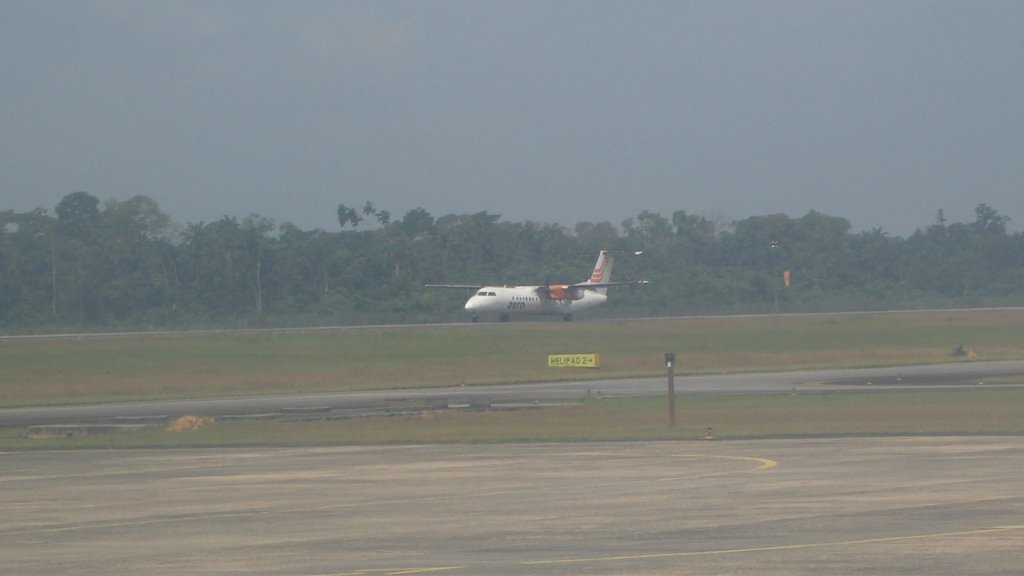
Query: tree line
[[127, 265]]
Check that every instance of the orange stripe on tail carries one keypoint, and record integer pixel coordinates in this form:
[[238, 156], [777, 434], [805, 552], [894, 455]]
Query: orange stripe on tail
[[603, 263]]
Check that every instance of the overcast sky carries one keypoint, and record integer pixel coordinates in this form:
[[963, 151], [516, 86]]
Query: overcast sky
[[878, 112]]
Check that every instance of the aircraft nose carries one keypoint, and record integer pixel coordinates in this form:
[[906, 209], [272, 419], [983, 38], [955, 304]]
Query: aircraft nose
[[473, 304]]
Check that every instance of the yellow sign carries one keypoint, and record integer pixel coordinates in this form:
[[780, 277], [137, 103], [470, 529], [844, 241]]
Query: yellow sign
[[574, 360]]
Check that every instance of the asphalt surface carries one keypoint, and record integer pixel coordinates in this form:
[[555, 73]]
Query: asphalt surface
[[955, 375], [908, 506]]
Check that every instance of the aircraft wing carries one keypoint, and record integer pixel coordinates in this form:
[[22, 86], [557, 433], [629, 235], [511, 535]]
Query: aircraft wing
[[563, 291], [592, 285], [460, 286]]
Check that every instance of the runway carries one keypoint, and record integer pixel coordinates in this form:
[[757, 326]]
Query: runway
[[909, 506], [970, 375]]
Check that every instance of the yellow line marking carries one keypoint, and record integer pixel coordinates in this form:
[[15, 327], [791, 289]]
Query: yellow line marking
[[995, 529], [394, 571], [425, 570], [765, 464], [244, 513]]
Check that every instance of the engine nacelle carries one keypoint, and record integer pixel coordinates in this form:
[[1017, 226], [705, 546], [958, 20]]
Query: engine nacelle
[[563, 292]]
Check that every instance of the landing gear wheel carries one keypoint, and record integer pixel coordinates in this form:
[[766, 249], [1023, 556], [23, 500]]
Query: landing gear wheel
[[567, 317], [503, 318], [476, 318]]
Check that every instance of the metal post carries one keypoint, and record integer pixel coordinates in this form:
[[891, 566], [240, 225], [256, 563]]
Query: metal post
[[670, 360], [775, 281]]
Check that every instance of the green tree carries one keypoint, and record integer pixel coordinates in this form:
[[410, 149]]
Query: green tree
[[28, 268], [137, 261], [255, 229], [348, 215], [77, 229]]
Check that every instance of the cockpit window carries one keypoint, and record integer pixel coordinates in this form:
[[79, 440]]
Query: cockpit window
[[485, 293]]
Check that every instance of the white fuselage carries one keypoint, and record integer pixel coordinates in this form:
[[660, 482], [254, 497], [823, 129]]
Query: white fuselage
[[552, 299], [507, 301]]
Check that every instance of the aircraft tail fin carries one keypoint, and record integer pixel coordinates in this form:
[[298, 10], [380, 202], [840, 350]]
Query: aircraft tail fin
[[602, 273]]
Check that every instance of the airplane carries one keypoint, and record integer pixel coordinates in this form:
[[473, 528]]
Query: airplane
[[552, 299]]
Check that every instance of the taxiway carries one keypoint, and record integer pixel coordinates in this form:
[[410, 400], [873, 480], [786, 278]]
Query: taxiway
[[909, 506]]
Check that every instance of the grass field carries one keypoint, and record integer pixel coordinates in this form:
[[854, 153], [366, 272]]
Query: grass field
[[729, 417], [68, 371], [130, 368]]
